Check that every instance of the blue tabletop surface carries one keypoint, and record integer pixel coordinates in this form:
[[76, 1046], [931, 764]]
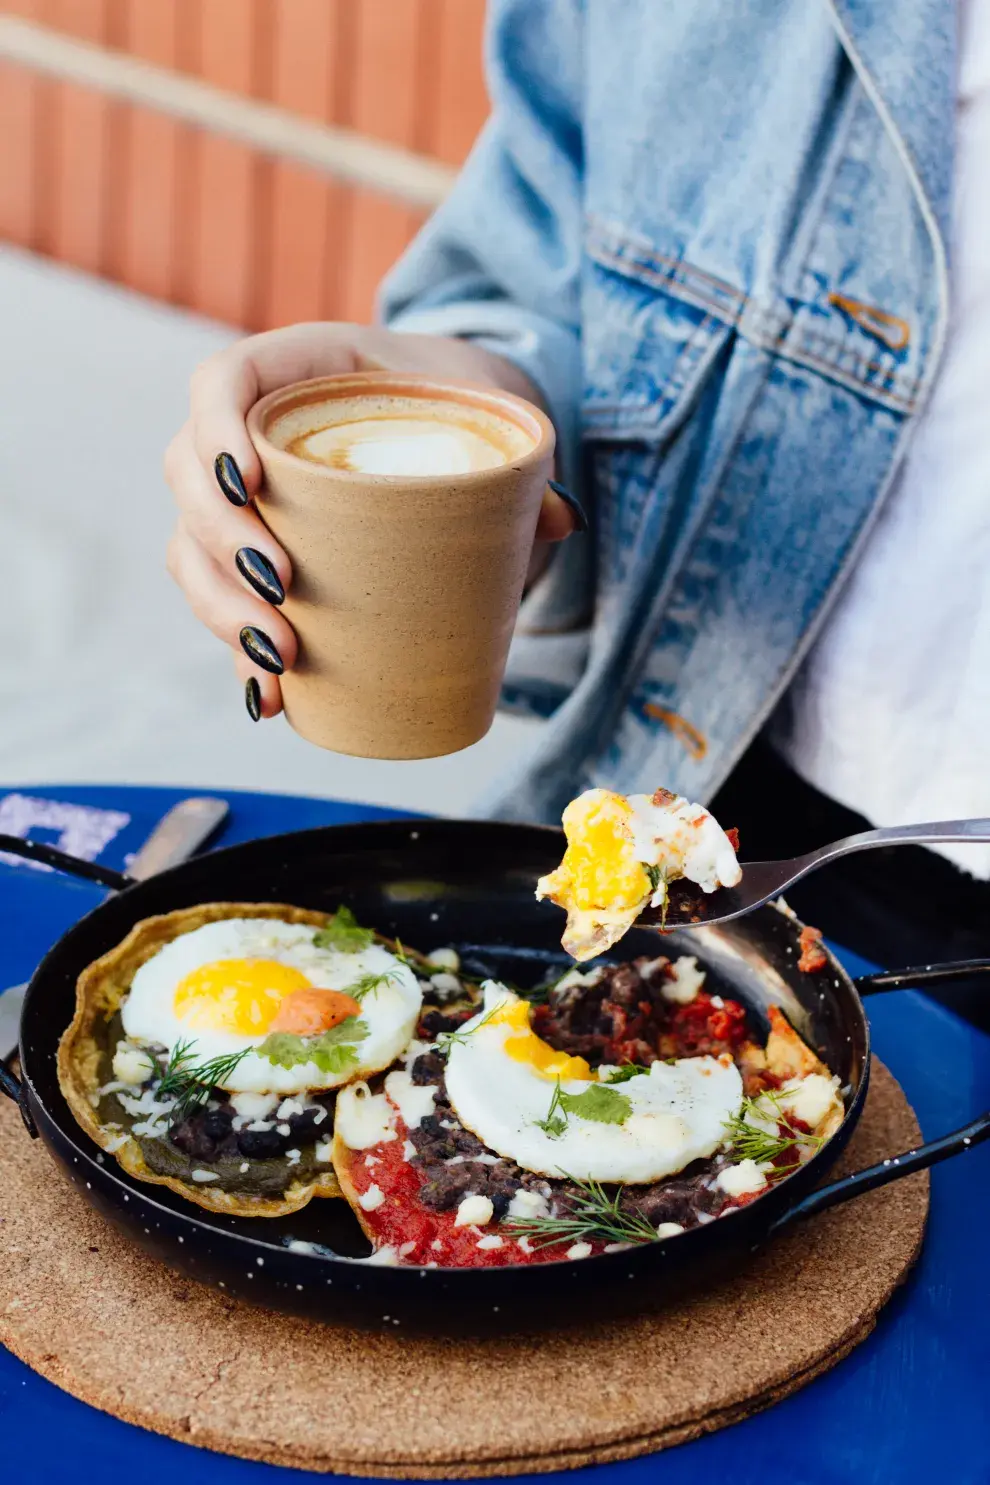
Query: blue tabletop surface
[[909, 1405]]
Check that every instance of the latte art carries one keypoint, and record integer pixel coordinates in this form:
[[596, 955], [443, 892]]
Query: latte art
[[405, 436]]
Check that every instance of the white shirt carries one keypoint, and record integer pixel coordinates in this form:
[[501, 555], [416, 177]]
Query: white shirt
[[890, 714]]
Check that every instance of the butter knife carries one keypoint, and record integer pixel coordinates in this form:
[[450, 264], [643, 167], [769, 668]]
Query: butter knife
[[177, 836]]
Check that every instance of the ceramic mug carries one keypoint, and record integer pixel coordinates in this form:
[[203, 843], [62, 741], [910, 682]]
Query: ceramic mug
[[405, 589]]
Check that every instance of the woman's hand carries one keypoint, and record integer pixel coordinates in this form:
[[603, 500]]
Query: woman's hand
[[223, 557]]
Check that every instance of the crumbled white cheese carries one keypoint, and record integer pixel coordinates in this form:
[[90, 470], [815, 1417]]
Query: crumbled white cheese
[[668, 1229], [474, 1211], [204, 1175], [491, 1240], [810, 1099], [244, 1168], [319, 1116], [436, 1244], [362, 1118], [131, 1064], [371, 1200], [445, 985], [446, 959], [384, 1257], [415, 1102], [321, 1151], [293, 1156], [525, 1204], [524, 1245], [688, 980], [288, 1107], [575, 977], [408, 1150], [404, 1250], [718, 1002], [578, 1250], [741, 1179], [254, 1105], [261, 1126], [284, 1129]]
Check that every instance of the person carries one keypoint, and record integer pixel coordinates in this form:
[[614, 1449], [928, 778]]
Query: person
[[713, 241]]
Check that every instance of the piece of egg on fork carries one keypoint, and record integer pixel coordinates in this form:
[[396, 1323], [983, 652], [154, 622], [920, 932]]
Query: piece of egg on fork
[[622, 852], [501, 1079], [226, 986]]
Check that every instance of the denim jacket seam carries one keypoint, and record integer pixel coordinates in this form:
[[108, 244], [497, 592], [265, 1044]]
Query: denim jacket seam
[[764, 326]]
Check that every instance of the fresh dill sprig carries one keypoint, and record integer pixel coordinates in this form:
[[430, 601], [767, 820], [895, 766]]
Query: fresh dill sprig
[[368, 983], [448, 1039], [749, 1141], [192, 1084], [593, 1216]]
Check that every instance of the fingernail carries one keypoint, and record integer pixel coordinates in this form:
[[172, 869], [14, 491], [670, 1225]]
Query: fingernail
[[260, 573], [252, 699], [573, 504], [229, 479], [259, 648]]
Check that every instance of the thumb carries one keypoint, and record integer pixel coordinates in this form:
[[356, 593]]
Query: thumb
[[561, 515]]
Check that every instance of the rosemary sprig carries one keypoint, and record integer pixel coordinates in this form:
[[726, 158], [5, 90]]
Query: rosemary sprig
[[749, 1141], [594, 1216], [191, 1085], [448, 1039]]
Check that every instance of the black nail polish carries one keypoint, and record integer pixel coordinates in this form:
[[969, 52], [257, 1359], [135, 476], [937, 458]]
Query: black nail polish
[[259, 648], [229, 479], [573, 504], [252, 699], [260, 573]]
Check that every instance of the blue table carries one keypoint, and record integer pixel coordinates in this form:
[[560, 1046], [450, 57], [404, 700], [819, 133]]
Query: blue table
[[903, 1409]]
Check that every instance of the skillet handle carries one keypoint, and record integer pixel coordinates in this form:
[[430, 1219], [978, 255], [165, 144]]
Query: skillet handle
[[14, 1089], [912, 1160], [91, 871]]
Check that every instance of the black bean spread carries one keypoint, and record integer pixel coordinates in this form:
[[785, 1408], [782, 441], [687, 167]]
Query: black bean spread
[[215, 1145]]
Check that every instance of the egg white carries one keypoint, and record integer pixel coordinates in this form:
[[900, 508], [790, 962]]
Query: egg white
[[678, 1111], [390, 1011]]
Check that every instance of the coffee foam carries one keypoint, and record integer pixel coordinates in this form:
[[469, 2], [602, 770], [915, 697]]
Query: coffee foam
[[400, 436]]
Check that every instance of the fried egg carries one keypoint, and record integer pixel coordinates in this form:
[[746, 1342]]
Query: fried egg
[[622, 853], [225, 987], [551, 1114]]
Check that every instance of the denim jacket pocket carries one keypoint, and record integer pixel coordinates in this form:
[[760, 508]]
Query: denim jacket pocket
[[647, 344]]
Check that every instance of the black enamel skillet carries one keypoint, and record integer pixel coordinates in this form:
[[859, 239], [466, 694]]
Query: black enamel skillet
[[434, 883]]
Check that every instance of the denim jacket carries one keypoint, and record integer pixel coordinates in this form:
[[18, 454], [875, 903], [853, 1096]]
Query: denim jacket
[[713, 235]]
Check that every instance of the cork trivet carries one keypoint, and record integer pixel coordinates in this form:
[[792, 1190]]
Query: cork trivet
[[102, 1320]]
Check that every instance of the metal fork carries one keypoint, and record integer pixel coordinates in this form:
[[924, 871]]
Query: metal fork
[[688, 906]]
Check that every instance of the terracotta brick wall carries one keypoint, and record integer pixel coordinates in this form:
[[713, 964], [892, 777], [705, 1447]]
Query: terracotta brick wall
[[203, 221]]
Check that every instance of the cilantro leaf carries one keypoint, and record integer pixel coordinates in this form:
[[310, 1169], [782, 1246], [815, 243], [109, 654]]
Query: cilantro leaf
[[333, 1051], [344, 933], [654, 874], [598, 1103], [624, 1073]]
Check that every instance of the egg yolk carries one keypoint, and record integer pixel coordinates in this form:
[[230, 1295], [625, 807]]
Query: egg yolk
[[599, 868], [526, 1046], [237, 995]]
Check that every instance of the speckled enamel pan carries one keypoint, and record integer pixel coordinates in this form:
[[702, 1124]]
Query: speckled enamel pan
[[471, 885]]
